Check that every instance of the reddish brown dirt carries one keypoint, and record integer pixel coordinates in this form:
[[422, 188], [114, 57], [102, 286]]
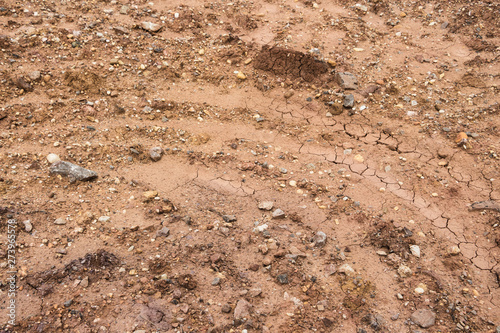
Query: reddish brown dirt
[[240, 100]]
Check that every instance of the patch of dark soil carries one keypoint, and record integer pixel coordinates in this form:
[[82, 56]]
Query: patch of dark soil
[[397, 240], [97, 264], [290, 63], [83, 81]]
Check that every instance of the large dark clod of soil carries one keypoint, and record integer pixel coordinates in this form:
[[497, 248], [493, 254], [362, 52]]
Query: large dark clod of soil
[[290, 63]]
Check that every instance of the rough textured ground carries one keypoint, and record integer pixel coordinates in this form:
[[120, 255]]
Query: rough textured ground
[[245, 100]]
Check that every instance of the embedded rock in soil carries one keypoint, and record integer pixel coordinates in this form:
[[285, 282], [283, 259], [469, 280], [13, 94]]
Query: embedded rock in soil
[[155, 153], [266, 205], [319, 239], [347, 81], [73, 171], [423, 318], [242, 309], [151, 27], [349, 101], [278, 214]]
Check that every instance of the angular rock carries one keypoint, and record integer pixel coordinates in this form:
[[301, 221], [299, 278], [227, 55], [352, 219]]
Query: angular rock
[[349, 101], [319, 239], [229, 218], [242, 309], [60, 221], [151, 27], [346, 269], [283, 278], [404, 271], [155, 153], [266, 205], [278, 214], [347, 81], [163, 232], [424, 318], [73, 171], [226, 308]]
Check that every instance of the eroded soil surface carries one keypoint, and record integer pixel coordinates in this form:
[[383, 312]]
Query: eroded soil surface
[[263, 166]]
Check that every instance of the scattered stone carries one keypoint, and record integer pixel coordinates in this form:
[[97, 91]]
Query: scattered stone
[[124, 9], [151, 27], [73, 171], [216, 281], [60, 221], [35, 75], [424, 318], [163, 232], [104, 219], [229, 218], [53, 158], [278, 214], [346, 269], [289, 94], [404, 271], [453, 250], [85, 282], [266, 205], [282, 278], [415, 250], [156, 153], [330, 269], [319, 239], [68, 303], [347, 80], [21, 83], [242, 309], [241, 76], [254, 292], [149, 195], [226, 308], [27, 225], [349, 101], [461, 138]]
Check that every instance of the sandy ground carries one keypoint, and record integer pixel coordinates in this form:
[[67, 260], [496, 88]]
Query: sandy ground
[[262, 166]]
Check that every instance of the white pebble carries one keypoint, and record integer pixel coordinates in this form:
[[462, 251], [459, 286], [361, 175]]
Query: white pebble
[[53, 158]]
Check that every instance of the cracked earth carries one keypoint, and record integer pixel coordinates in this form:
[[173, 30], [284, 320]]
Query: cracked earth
[[269, 202]]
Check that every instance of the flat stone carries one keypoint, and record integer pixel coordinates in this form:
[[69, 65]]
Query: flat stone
[[424, 318], [347, 80], [349, 101], [282, 278], [266, 205], [278, 214], [242, 309], [163, 232], [73, 171], [151, 27], [60, 221]]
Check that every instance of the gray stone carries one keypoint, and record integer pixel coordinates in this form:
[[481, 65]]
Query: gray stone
[[216, 281], [283, 278], [104, 219], [242, 309], [319, 239], [347, 81], [266, 205], [226, 308], [124, 10], [349, 101], [73, 171], [278, 214], [68, 303], [424, 318], [163, 232], [151, 27], [498, 329], [155, 153]]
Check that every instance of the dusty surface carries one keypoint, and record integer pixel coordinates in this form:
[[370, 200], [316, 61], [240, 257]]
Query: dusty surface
[[244, 102]]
